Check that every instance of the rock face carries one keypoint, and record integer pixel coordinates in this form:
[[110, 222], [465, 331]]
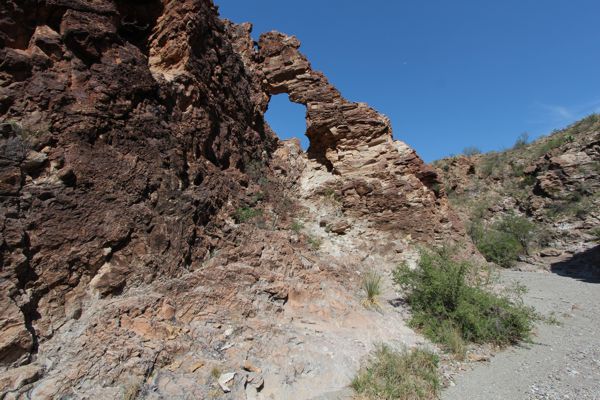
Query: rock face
[[132, 141], [126, 126]]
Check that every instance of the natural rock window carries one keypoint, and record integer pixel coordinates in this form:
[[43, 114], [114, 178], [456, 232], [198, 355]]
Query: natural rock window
[[287, 119]]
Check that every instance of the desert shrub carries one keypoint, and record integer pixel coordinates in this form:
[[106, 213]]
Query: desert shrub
[[441, 299], [451, 339], [518, 170], [519, 228], [505, 240], [471, 151], [245, 214], [371, 284], [576, 204], [297, 226], [590, 122], [492, 163], [215, 372], [544, 237], [315, 242], [552, 143], [521, 141], [499, 247], [398, 375]]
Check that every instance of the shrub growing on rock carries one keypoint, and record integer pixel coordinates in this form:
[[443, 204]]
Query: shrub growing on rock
[[245, 214]]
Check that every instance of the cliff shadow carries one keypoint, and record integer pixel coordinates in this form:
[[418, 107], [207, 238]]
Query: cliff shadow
[[584, 266]]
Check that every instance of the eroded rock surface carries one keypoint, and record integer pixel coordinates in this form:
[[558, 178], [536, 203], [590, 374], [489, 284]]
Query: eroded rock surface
[[113, 166]]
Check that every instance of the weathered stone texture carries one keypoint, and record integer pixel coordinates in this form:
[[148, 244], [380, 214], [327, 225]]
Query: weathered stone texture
[[112, 164]]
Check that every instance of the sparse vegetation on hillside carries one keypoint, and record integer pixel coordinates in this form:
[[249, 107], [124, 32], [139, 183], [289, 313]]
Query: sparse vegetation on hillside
[[297, 226], [315, 242], [398, 375], [471, 151], [521, 141], [492, 164], [530, 179], [443, 300], [245, 214]]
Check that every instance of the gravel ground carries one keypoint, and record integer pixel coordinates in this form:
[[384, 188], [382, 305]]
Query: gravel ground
[[563, 362]]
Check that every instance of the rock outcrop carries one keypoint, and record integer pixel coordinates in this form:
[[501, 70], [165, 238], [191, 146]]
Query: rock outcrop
[[125, 128], [553, 181], [133, 144]]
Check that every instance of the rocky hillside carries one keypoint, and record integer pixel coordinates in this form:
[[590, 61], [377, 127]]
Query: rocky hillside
[[158, 240], [547, 189]]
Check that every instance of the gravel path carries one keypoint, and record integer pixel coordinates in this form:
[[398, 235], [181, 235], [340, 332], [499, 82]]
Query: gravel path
[[563, 362]]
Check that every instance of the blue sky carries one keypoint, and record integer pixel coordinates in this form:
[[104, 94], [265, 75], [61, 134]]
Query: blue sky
[[449, 74]]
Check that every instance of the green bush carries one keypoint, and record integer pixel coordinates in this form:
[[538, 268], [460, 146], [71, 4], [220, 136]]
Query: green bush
[[521, 141], [520, 228], [553, 142], [491, 164], [315, 242], [505, 240], [371, 284], [441, 299], [471, 151], [245, 214], [394, 375], [297, 226], [499, 247]]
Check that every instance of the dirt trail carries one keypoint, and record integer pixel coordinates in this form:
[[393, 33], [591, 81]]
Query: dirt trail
[[563, 362]]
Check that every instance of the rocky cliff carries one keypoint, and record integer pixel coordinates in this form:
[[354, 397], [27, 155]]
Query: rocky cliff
[[148, 211], [553, 182]]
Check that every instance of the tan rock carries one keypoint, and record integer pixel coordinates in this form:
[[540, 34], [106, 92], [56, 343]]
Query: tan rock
[[15, 339], [109, 279], [14, 379], [248, 366], [550, 252], [167, 312]]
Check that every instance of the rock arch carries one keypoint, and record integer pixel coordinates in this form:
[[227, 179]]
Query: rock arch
[[379, 178]]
